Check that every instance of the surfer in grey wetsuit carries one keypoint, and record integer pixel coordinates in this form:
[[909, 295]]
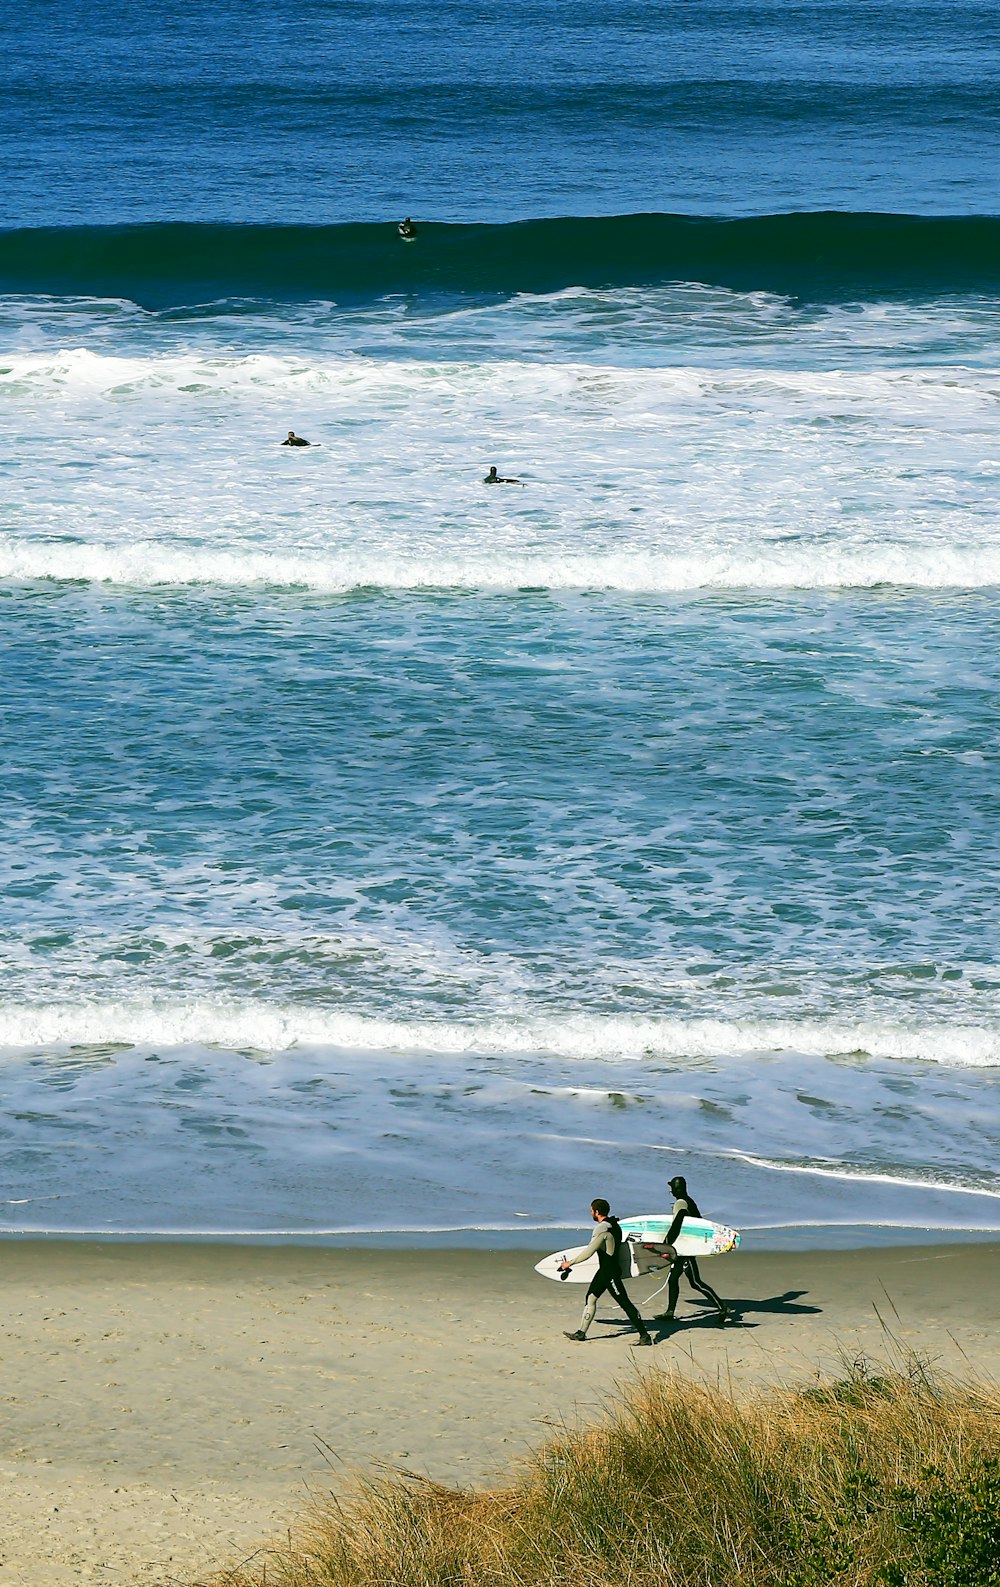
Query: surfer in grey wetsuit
[[606, 1244], [686, 1206], [295, 440]]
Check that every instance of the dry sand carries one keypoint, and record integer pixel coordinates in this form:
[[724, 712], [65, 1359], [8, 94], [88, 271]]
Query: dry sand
[[167, 1407]]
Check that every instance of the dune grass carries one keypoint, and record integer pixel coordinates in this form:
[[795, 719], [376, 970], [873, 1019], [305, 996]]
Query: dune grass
[[877, 1480]]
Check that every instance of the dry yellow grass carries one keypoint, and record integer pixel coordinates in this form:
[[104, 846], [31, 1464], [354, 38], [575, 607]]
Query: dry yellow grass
[[888, 1480]]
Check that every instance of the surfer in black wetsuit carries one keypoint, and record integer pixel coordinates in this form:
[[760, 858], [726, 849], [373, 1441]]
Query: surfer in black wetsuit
[[493, 478], [407, 230], [607, 1244], [686, 1206], [295, 440]]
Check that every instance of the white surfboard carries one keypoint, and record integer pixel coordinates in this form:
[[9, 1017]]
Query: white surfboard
[[646, 1248], [698, 1236]]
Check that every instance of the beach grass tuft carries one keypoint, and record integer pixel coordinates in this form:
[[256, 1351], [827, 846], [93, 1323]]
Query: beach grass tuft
[[877, 1479]]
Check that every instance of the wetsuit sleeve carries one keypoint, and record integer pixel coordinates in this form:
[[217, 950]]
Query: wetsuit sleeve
[[600, 1235], [681, 1208]]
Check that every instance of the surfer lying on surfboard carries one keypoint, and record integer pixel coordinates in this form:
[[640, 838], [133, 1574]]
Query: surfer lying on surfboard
[[606, 1244], [686, 1206]]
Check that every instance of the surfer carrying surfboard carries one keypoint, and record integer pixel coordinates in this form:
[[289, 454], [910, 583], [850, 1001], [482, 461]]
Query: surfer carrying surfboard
[[606, 1245], [686, 1206]]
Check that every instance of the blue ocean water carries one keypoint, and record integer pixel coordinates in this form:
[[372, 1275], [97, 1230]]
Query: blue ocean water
[[384, 851]]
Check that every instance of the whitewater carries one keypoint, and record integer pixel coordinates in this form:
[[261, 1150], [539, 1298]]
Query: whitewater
[[378, 839], [724, 441]]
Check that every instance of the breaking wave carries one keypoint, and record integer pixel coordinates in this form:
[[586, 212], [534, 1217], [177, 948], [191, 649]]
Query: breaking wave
[[822, 255], [261, 1028], [155, 564]]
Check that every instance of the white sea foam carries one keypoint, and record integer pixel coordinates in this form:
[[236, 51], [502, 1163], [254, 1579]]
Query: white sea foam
[[117, 1135], [262, 1028], [826, 1170], [149, 564], [62, 373], [685, 473], [253, 853]]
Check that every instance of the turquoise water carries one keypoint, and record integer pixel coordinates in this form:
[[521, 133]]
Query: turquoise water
[[385, 852]]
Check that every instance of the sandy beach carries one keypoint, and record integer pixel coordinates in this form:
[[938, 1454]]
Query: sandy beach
[[169, 1407]]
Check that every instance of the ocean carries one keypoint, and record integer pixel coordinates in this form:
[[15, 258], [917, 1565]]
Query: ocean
[[386, 853]]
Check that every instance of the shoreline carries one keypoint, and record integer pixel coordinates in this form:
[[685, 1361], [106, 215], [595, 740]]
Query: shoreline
[[804, 1238], [168, 1406]]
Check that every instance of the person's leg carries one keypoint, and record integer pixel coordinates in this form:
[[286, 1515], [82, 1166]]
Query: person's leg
[[595, 1289], [618, 1292], [673, 1286], [697, 1282]]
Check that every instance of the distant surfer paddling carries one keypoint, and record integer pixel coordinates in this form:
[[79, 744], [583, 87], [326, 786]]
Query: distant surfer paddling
[[493, 478], [407, 230], [685, 1206], [295, 440], [606, 1244]]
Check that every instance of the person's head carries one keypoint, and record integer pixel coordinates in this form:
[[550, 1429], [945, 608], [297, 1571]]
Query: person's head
[[599, 1209], [493, 470], [678, 1185], [291, 435]]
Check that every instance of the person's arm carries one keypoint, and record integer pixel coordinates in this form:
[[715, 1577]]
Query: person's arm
[[599, 1235], [680, 1213]]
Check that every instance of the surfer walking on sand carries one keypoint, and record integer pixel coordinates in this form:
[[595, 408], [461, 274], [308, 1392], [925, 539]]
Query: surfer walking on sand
[[606, 1243], [685, 1206]]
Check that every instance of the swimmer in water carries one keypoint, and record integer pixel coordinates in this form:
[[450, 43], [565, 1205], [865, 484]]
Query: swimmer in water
[[295, 440], [407, 230], [493, 478]]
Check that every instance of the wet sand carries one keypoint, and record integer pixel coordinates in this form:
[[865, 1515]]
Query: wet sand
[[166, 1408]]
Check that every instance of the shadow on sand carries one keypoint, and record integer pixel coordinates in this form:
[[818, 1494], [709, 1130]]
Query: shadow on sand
[[786, 1305]]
